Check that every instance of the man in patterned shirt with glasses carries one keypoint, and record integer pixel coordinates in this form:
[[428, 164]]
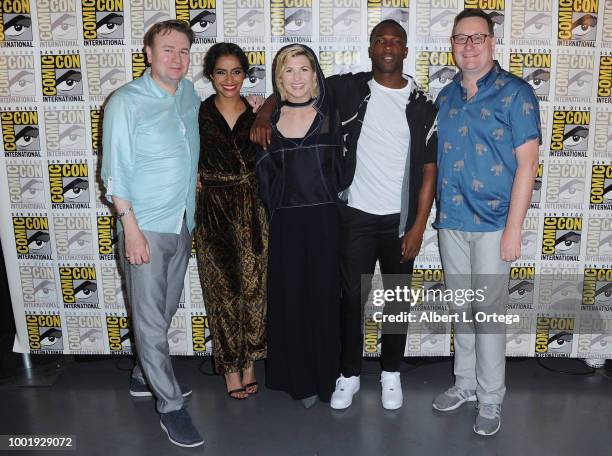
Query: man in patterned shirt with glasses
[[488, 137]]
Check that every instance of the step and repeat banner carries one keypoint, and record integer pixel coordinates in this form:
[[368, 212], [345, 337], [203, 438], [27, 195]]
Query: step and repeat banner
[[61, 59]]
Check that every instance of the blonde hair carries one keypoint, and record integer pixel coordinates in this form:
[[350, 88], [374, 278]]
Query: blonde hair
[[280, 63]]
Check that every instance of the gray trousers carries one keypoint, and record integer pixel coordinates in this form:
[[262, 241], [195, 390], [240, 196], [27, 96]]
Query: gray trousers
[[471, 260], [154, 290]]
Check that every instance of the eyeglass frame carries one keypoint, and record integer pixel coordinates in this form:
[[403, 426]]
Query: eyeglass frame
[[469, 38]]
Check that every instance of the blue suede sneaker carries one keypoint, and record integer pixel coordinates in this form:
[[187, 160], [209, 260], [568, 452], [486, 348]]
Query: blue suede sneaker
[[140, 389], [179, 428]]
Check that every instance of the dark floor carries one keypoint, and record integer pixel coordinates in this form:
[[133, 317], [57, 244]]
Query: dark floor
[[544, 413]]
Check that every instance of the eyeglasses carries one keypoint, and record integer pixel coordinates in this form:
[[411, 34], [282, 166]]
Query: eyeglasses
[[476, 38]]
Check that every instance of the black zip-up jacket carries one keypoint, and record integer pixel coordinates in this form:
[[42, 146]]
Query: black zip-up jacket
[[308, 171], [351, 93]]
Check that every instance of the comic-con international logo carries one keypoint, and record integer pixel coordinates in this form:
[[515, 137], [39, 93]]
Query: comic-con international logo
[[112, 286], [559, 287], [518, 334], [244, 20], [606, 35], [565, 185], [139, 64], [196, 74], [604, 80], [17, 80], [533, 67], [427, 339], [425, 281], [15, 24], [434, 19], [20, 133], [103, 22], [339, 20], [521, 287], [531, 22], [529, 236], [25, 184], [554, 336], [61, 77], [200, 335], [570, 133], [44, 333], [595, 337], [107, 237], [339, 61], [84, 333], [575, 76], [577, 22], [73, 237], [105, 74], [177, 335], [65, 131], [255, 79], [496, 9], [536, 193], [561, 238], [145, 13], [38, 286], [291, 20], [119, 334], [196, 297], [201, 15], [380, 10], [32, 237], [57, 23], [79, 287], [600, 197], [69, 185], [95, 120], [434, 70], [597, 289], [371, 336], [599, 237]]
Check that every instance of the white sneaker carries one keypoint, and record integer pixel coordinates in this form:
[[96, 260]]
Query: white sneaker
[[392, 397], [343, 394], [595, 363]]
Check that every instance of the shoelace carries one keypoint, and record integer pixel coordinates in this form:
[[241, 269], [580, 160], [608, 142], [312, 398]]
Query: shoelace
[[456, 391], [490, 410]]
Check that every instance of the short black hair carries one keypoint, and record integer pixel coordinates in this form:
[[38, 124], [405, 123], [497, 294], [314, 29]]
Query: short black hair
[[166, 27], [389, 22], [222, 49], [474, 12]]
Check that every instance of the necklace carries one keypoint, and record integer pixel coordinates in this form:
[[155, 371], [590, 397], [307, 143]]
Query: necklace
[[300, 104]]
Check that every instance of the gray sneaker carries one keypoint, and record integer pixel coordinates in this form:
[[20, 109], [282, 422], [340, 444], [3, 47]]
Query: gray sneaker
[[453, 398], [488, 420], [179, 428]]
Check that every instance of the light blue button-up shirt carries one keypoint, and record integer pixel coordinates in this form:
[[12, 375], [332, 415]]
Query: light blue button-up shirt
[[151, 147], [476, 143]]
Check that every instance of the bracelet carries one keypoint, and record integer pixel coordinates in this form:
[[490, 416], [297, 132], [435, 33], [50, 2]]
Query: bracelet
[[125, 212]]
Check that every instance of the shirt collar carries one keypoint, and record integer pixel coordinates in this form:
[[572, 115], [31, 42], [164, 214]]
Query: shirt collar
[[154, 87], [484, 81]]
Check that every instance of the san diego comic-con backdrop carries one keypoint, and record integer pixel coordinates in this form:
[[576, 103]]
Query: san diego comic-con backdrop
[[60, 59]]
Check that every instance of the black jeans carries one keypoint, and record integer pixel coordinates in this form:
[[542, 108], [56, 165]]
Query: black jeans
[[366, 238]]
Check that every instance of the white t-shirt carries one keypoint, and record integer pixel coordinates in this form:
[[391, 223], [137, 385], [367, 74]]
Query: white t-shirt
[[382, 150]]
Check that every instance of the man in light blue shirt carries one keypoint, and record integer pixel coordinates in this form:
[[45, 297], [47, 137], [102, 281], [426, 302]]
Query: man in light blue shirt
[[151, 148]]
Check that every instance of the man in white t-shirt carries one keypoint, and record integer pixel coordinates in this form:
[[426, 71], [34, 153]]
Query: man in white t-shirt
[[390, 137]]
